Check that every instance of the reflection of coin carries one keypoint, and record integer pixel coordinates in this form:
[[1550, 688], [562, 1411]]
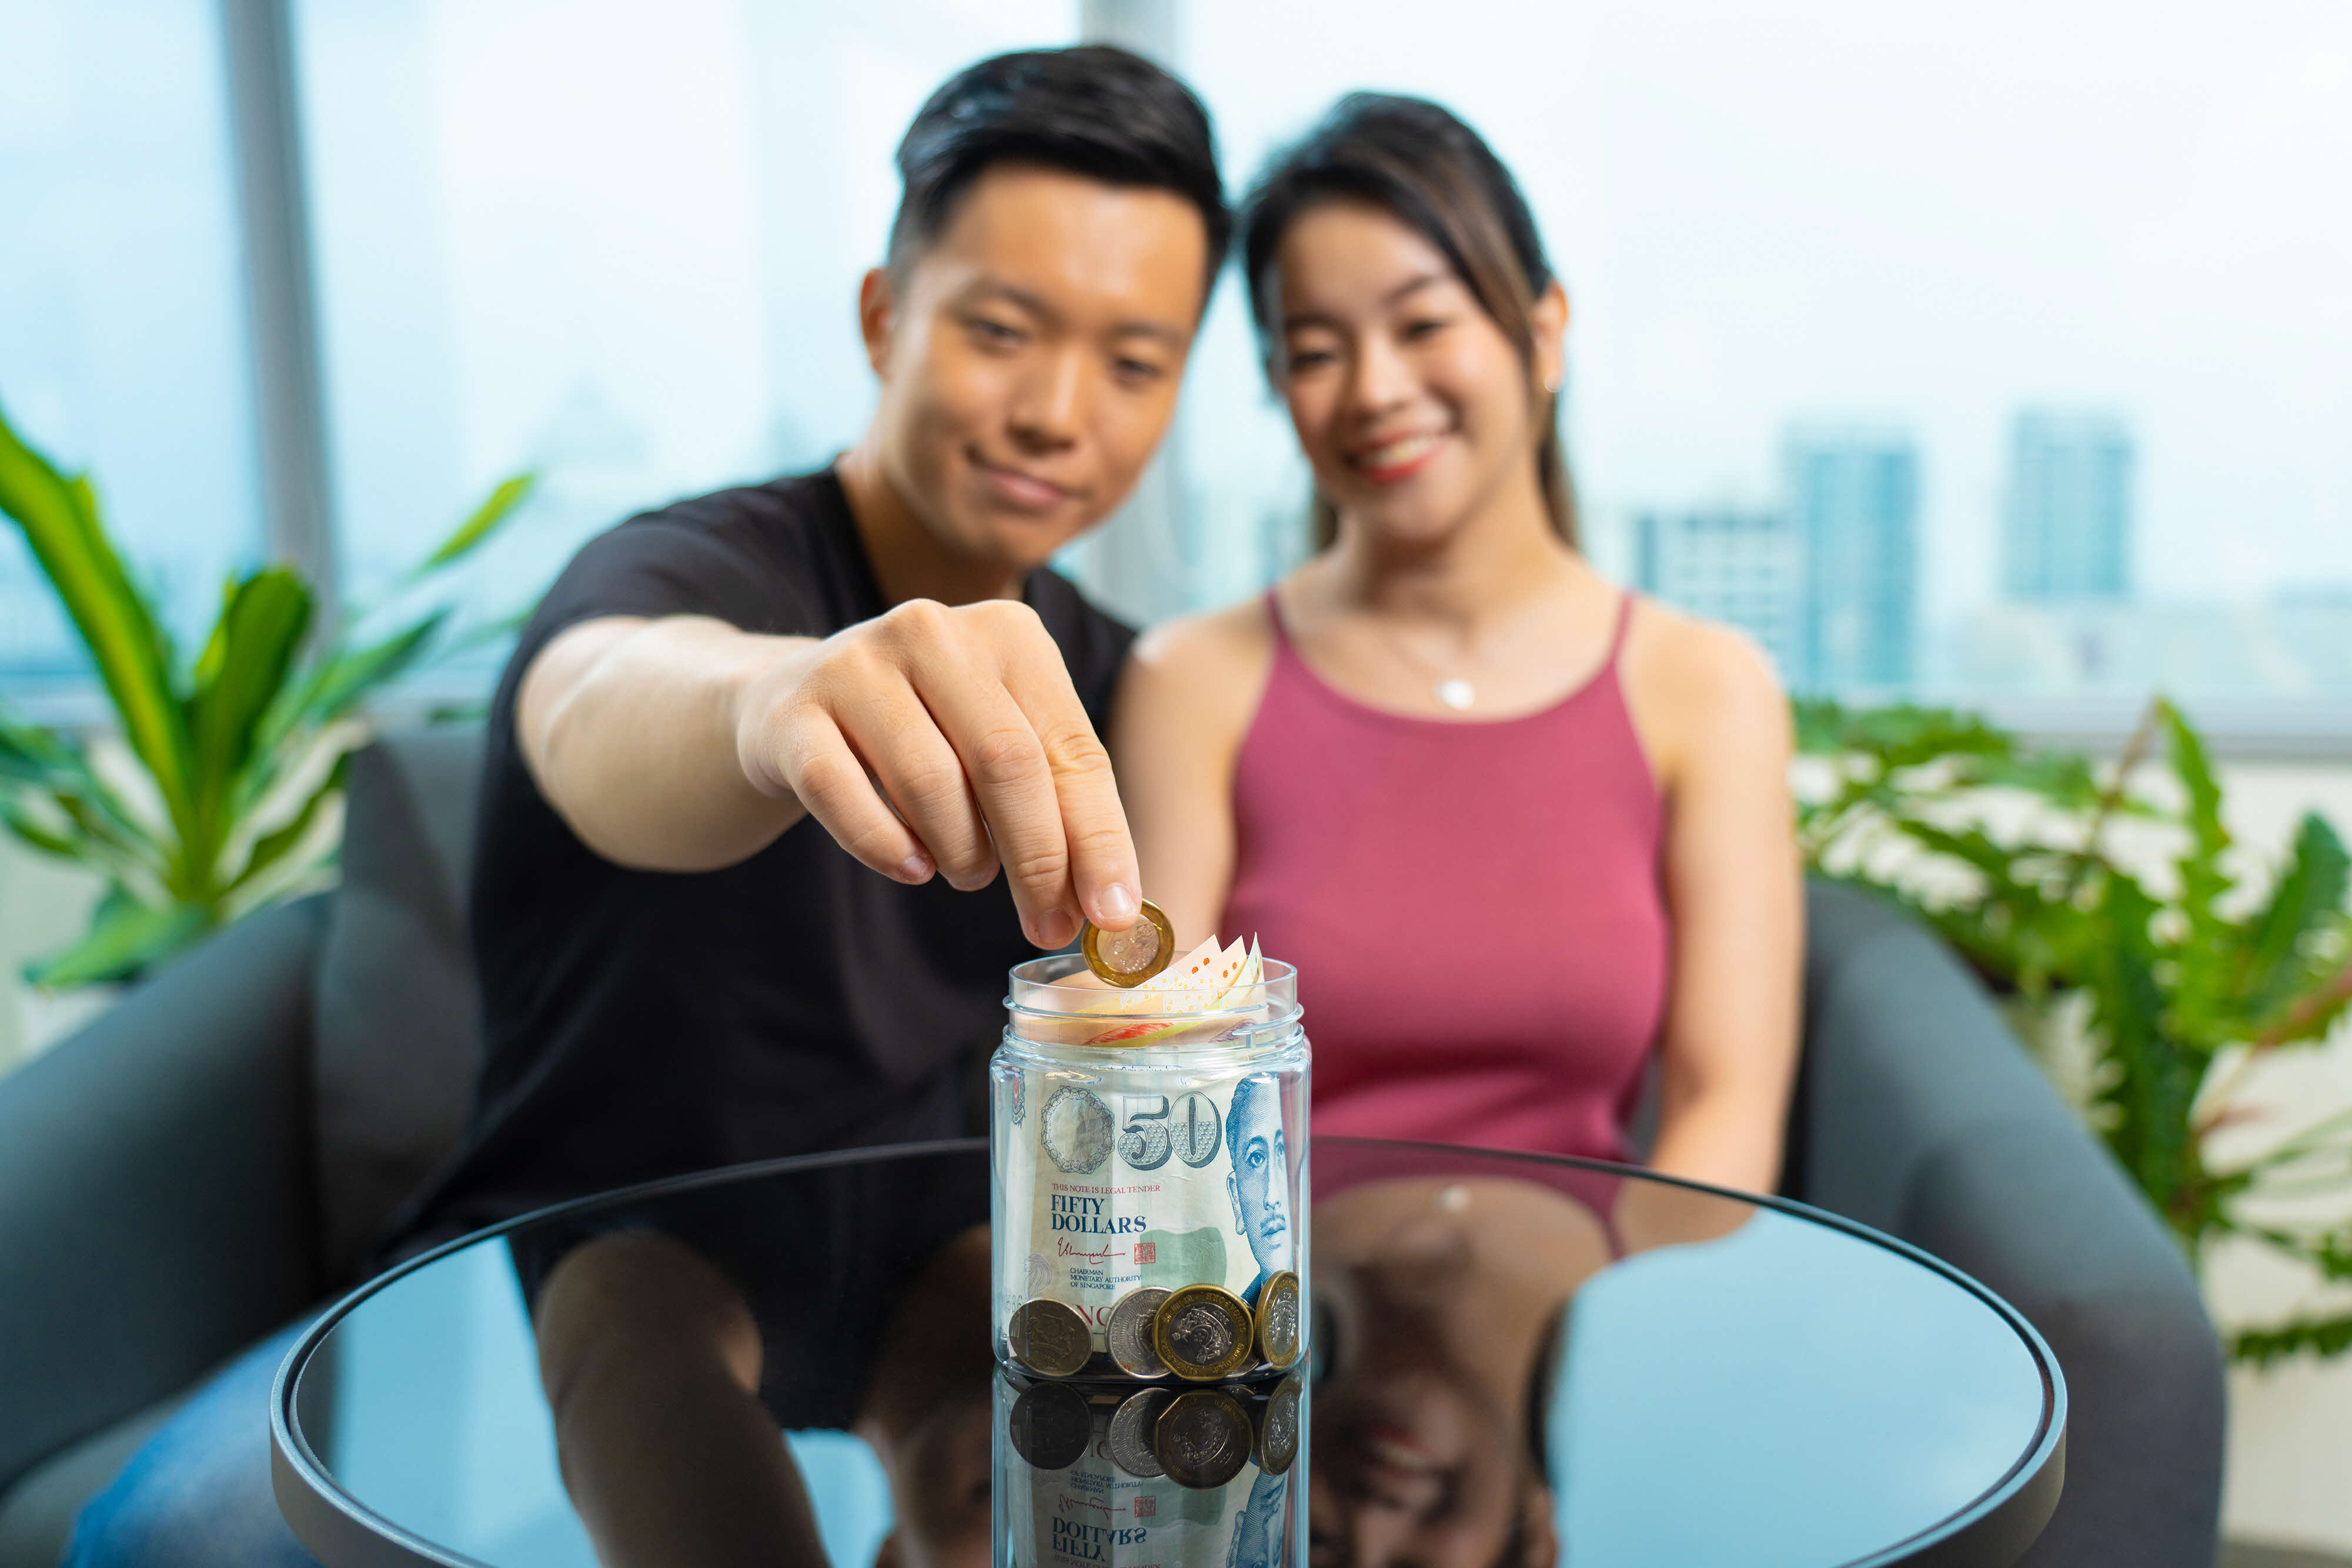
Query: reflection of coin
[[1130, 1434], [1075, 1131], [1277, 1428], [1050, 1425], [1131, 957], [1129, 1332], [1203, 1332], [1048, 1336], [1196, 1129], [1203, 1439], [1278, 1320]]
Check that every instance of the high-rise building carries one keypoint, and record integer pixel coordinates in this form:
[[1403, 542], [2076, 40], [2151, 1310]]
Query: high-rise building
[[2065, 533], [1854, 497], [1727, 564]]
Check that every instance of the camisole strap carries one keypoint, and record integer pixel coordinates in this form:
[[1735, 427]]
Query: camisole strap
[[1624, 619]]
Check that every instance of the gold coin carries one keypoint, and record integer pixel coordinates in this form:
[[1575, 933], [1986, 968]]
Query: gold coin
[[1129, 1332], [1203, 1439], [1129, 957], [1277, 1321], [1277, 1428], [1049, 1337], [1203, 1332], [1050, 1425]]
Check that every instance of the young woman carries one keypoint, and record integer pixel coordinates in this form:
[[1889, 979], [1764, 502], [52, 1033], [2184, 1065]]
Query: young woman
[[1516, 829]]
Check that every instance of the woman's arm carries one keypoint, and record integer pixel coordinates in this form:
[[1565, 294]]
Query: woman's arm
[[1184, 703], [1717, 728]]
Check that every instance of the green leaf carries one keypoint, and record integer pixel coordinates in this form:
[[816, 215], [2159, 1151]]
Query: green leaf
[[274, 846], [2203, 986], [2318, 1337], [350, 678], [17, 821], [2157, 1086], [125, 939], [2309, 892], [61, 520], [241, 674], [476, 528]]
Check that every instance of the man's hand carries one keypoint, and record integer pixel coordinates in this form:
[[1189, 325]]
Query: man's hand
[[943, 740], [929, 740]]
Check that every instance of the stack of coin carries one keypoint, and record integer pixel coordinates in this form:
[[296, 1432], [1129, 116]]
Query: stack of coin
[[1201, 1334], [1199, 1439]]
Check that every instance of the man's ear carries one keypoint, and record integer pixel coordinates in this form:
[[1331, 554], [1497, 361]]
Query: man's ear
[[1233, 1191], [1537, 1528], [877, 315]]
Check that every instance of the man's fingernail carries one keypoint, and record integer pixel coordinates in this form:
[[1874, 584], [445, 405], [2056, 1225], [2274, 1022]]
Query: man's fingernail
[[915, 869], [1118, 901], [1054, 929]]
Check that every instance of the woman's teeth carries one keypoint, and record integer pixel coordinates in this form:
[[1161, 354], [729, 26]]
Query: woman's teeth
[[1396, 453]]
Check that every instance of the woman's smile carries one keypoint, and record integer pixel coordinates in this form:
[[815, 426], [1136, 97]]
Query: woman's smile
[[1396, 457]]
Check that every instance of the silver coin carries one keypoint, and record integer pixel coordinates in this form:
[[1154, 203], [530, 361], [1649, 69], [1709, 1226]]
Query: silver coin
[[1130, 1434], [1129, 1332], [1050, 1425], [1075, 1131]]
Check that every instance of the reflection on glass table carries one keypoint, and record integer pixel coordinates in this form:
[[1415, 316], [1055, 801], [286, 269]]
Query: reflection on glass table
[[1516, 1362]]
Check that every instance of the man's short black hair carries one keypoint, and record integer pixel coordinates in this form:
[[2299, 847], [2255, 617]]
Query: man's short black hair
[[1094, 110]]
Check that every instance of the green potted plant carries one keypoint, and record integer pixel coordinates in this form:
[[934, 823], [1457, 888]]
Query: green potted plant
[[2175, 970], [218, 788]]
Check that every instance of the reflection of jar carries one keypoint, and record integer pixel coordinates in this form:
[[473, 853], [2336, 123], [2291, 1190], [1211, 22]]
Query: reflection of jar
[[1136, 1155], [1088, 1477]]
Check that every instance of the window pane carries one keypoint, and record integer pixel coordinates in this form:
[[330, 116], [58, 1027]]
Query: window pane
[[121, 317], [617, 243], [2082, 279]]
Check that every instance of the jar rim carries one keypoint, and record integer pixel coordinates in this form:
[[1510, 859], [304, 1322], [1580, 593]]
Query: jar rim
[[1041, 988]]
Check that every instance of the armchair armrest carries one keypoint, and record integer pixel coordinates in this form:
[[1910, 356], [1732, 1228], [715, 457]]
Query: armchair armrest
[[1918, 1113], [155, 1212]]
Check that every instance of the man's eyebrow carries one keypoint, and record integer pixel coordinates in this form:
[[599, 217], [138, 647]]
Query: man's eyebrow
[[1013, 294], [1409, 286], [1037, 304]]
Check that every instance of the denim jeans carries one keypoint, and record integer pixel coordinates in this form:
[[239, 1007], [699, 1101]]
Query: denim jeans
[[197, 1495]]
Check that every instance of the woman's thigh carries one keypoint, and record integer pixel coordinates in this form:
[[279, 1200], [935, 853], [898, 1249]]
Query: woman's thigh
[[198, 1493]]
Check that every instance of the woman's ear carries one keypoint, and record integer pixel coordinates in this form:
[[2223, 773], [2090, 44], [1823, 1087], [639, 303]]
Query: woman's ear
[[1548, 322], [877, 313]]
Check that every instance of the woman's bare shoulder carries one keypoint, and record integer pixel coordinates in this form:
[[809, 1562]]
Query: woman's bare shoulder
[[1694, 684], [1211, 669]]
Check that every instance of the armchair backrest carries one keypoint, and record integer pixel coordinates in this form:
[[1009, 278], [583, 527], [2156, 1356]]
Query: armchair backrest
[[396, 1027]]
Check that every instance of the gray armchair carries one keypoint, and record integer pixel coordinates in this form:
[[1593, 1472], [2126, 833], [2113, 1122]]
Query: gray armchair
[[209, 1159]]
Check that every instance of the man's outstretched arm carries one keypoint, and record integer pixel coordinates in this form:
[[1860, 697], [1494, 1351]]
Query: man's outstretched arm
[[929, 739]]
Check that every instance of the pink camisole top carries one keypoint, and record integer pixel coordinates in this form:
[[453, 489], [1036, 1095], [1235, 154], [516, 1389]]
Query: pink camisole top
[[1473, 907]]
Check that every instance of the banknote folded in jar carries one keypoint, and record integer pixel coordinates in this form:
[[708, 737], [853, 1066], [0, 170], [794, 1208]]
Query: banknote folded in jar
[[1148, 1154]]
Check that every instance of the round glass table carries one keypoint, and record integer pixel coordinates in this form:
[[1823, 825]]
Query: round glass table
[[1514, 1362]]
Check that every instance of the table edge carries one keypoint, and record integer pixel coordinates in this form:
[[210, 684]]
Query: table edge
[[1994, 1527]]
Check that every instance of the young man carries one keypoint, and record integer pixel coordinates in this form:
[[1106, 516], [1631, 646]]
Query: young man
[[680, 971], [677, 970]]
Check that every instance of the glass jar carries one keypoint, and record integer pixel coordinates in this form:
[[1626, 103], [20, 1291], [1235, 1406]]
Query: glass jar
[[1148, 1178]]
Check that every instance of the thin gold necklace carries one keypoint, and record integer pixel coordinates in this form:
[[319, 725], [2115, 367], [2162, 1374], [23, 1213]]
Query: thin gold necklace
[[1453, 691]]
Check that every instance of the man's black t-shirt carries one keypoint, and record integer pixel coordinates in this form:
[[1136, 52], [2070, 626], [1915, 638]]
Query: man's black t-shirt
[[643, 1024]]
